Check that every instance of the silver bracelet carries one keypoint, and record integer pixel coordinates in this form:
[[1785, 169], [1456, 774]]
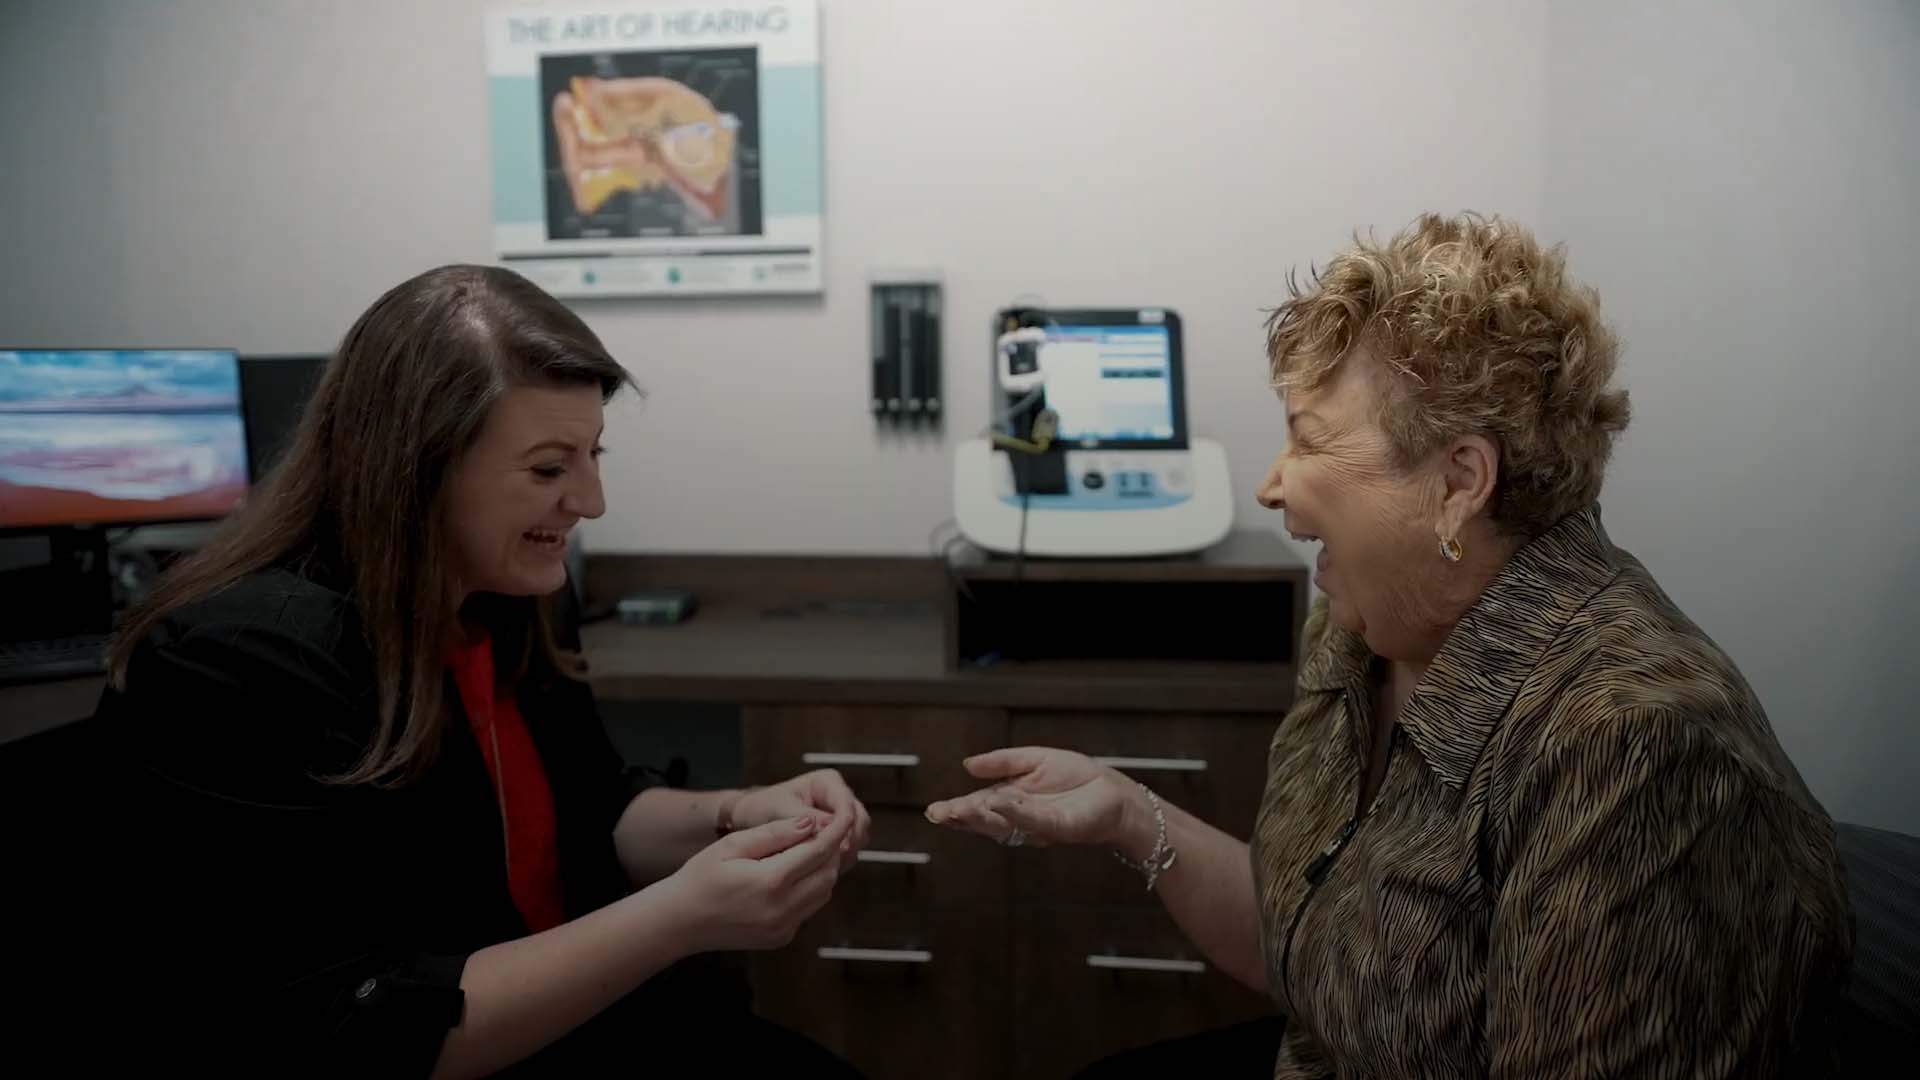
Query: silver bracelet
[[1160, 859]]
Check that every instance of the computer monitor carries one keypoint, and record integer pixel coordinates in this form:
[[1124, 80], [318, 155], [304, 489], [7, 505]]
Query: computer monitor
[[119, 436], [1115, 379], [273, 394]]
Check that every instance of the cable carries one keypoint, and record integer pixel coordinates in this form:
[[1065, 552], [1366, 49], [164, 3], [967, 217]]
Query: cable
[[1005, 416], [1040, 435], [953, 576], [933, 536], [1044, 425], [1022, 317], [1039, 439], [1020, 551], [943, 550]]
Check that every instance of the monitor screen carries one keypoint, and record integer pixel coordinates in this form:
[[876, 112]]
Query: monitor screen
[[102, 437], [273, 394], [1114, 378]]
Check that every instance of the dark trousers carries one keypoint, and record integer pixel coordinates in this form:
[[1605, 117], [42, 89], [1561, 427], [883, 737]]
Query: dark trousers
[[1245, 1050], [694, 1019]]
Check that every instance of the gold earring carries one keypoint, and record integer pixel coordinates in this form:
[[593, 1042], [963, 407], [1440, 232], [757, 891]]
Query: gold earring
[[1451, 550]]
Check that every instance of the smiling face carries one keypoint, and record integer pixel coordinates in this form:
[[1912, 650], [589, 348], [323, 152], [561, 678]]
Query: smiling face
[[529, 477], [1339, 485]]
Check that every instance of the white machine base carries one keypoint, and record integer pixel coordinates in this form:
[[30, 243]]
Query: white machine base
[[1119, 502]]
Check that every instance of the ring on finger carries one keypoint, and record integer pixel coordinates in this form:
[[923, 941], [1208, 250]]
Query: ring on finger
[[1015, 838]]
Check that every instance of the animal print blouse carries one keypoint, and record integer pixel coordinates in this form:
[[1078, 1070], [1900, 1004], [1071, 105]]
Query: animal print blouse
[[1589, 856]]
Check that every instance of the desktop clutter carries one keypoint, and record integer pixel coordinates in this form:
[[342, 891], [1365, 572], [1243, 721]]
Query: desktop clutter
[[110, 461], [740, 670], [1089, 455]]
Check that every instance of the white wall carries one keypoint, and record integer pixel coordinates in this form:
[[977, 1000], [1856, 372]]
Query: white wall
[[1739, 182], [1742, 184], [270, 168]]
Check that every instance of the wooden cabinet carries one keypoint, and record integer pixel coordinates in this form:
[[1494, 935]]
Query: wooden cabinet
[[923, 998], [911, 864], [1212, 766], [943, 954], [904, 972], [1098, 965], [1089, 982], [891, 757]]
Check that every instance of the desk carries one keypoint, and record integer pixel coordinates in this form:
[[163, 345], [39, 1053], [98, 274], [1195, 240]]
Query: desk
[[32, 708], [746, 650], [786, 630], [947, 955]]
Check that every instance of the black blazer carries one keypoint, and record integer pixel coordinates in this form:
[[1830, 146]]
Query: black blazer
[[322, 927]]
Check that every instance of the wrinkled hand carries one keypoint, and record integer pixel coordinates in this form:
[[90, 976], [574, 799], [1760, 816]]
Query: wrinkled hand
[[1052, 796], [823, 792], [753, 888]]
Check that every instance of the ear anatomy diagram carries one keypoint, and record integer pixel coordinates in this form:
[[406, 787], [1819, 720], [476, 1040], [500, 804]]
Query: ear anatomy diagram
[[643, 135], [657, 148]]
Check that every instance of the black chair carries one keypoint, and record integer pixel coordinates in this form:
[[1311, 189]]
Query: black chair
[[1882, 1020]]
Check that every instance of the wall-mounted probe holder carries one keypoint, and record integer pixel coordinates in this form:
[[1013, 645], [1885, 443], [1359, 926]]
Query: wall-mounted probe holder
[[906, 386]]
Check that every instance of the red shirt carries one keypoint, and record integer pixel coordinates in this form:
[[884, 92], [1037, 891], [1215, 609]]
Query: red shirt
[[520, 783]]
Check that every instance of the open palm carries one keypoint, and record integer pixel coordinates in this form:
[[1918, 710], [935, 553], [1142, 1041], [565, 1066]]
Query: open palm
[[1052, 796]]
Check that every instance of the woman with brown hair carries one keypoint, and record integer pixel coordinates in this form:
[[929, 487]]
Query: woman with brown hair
[[379, 827]]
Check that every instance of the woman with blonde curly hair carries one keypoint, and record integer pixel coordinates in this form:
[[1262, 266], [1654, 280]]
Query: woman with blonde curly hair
[[1524, 818]]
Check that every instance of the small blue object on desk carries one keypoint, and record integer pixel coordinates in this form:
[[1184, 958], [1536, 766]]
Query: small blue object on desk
[[655, 607]]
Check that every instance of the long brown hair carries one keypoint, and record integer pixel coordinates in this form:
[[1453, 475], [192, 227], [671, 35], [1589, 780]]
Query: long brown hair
[[362, 490]]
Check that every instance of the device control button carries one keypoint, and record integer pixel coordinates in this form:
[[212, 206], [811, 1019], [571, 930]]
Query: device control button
[[1093, 480], [1175, 479]]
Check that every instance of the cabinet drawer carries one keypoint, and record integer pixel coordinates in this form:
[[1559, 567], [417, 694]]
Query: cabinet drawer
[[931, 1004], [899, 757], [1211, 766], [910, 866], [1087, 984]]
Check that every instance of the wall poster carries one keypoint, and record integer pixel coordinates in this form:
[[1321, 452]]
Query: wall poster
[[649, 150]]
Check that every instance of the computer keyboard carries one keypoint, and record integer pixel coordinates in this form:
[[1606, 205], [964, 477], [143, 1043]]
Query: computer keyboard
[[53, 658]]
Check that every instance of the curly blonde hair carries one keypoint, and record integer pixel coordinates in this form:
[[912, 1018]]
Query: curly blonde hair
[[1480, 331]]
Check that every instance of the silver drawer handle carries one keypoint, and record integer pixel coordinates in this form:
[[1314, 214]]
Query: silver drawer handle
[[881, 956], [1146, 963], [1155, 764], [872, 761], [899, 858]]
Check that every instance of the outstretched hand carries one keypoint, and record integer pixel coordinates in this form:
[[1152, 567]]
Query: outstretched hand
[[1051, 796]]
